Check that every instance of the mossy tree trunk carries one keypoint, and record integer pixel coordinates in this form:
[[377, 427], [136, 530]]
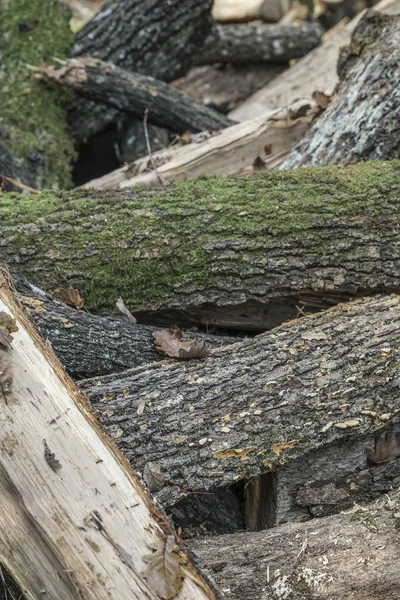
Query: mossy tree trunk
[[238, 253], [294, 411]]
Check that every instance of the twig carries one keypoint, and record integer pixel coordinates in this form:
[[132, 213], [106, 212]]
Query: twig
[[20, 185], [153, 162]]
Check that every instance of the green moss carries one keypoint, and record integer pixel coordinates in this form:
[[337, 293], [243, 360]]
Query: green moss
[[156, 247], [33, 117]]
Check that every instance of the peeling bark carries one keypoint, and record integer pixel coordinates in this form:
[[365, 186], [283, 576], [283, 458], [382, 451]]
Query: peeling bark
[[304, 401], [259, 43], [361, 122]]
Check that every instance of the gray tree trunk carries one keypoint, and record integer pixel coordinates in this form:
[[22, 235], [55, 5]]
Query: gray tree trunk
[[300, 406], [362, 121]]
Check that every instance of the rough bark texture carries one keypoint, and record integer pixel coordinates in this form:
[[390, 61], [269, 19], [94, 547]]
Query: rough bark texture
[[361, 123], [16, 168], [302, 403], [133, 94], [352, 556], [259, 43], [154, 37], [240, 252], [88, 345]]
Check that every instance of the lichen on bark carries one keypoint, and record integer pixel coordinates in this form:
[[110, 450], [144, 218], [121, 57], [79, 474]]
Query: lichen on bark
[[33, 117]]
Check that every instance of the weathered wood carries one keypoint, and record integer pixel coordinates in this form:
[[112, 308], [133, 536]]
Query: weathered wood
[[134, 94], [255, 145], [344, 556], [314, 72], [230, 11], [243, 253], [361, 122], [259, 43], [88, 345], [303, 402], [75, 523]]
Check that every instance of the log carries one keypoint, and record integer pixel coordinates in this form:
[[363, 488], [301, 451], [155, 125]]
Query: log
[[134, 94], [352, 555], [314, 72], [243, 253], [361, 121], [259, 43], [88, 345], [236, 11], [154, 37], [252, 146], [75, 522], [294, 413]]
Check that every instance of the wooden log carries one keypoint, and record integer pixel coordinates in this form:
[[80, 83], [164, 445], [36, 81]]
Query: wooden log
[[352, 555], [296, 411], [134, 94], [88, 345], [314, 72], [256, 145], [154, 37], [242, 253], [236, 11], [259, 43], [75, 522], [360, 123]]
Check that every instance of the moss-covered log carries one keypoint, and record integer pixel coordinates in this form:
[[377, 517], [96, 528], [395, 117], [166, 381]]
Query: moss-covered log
[[88, 345], [361, 122], [33, 118], [300, 405], [241, 253]]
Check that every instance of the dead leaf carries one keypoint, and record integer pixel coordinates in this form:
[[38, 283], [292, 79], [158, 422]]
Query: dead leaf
[[50, 458], [386, 448], [322, 99], [141, 407], [185, 138], [8, 325], [313, 335], [171, 342], [127, 315], [153, 476], [346, 424], [241, 453], [71, 297], [277, 448], [164, 572]]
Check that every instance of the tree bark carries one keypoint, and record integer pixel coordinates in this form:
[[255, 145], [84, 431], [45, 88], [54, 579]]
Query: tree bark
[[256, 145], [88, 345], [314, 72], [154, 38], [259, 43], [293, 411], [344, 556], [240, 253], [361, 122], [134, 94], [75, 522]]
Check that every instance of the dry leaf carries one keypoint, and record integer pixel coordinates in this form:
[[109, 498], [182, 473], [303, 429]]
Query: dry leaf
[[164, 573], [277, 448], [323, 100], [386, 448], [141, 407], [233, 453], [153, 476], [8, 325], [171, 342], [346, 424], [50, 458], [314, 335], [127, 315], [71, 297], [185, 138]]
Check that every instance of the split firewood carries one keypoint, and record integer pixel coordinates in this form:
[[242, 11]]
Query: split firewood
[[352, 555], [236, 11], [240, 253], [75, 523], [134, 94], [89, 345], [314, 72], [364, 110], [256, 145], [259, 43]]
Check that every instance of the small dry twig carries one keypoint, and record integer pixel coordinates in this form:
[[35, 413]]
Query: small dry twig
[[20, 185]]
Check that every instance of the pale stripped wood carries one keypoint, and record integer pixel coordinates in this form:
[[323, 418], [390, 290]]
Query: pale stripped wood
[[314, 72], [67, 535], [236, 10], [232, 151]]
